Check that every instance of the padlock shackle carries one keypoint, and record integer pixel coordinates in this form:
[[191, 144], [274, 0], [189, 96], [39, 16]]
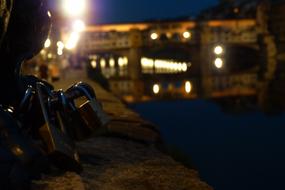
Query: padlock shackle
[[40, 87], [27, 97], [84, 90], [63, 98], [76, 91]]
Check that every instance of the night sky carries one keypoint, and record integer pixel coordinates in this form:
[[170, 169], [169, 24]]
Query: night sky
[[121, 11], [110, 11]]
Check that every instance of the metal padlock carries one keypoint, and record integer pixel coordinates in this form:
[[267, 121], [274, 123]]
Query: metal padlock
[[91, 111], [60, 147], [71, 118], [16, 142]]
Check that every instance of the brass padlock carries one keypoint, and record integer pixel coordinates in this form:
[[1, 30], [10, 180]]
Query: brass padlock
[[59, 146], [72, 120], [91, 111]]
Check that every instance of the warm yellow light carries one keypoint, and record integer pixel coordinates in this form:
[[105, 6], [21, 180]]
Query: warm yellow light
[[47, 43], [93, 64], [49, 55], [112, 62], [188, 87], [103, 63], [154, 36], [72, 41], [164, 66], [184, 67], [121, 62], [218, 50], [187, 35], [78, 25], [74, 7], [59, 51], [219, 63], [126, 61], [60, 45], [43, 52], [156, 88], [49, 14], [169, 35]]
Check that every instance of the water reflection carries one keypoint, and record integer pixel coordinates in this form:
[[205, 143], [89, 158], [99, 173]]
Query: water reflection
[[231, 151]]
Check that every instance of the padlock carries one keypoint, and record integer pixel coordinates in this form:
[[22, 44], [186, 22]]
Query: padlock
[[12, 138], [72, 120], [59, 146], [17, 147], [91, 111]]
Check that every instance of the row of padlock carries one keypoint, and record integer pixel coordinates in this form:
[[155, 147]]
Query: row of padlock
[[64, 121]]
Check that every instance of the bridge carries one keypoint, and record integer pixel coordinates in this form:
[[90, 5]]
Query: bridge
[[186, 59]]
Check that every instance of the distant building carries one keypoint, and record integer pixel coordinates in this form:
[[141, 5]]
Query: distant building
[[277, 23], [133, 56]]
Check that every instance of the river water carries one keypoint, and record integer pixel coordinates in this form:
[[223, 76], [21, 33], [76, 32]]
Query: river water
[[243, 151]]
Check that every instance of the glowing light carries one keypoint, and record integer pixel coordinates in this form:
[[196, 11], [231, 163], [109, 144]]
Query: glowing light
[[218, 50], [103, 63], [163, 66], [49, 55], [187, 35], [78, 25], [188, 87], [236, 10], [47, 43], [169, 35], [93, 64], [43, 52], [184, 67], [112, 62], [59, 52], [126, 61], [219, 63], [156, 89], [60, 45], [72, 41], [121, 62], [154, 36], [74, 7], [49, 14]]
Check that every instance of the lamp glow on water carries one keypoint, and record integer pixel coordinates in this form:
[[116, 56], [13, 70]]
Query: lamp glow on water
[[156, 88], [188, 87]]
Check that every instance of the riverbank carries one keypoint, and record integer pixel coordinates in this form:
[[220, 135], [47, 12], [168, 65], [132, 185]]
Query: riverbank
[[125, 157]]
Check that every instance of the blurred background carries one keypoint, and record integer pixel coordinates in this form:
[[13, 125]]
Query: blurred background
[[210, 74]]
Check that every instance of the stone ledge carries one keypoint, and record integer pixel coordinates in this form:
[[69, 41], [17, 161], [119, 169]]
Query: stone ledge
[[120, 164]]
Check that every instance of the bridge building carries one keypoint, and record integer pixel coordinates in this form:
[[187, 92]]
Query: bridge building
[[142, 60]]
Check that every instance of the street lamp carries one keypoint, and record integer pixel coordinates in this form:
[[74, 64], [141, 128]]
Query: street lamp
[[186, 35], [156, 89], [78, 25], [219, 63], [74, 8], [218, 50], [47, 43], [60, 45], [188, 87], [154, 36]]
